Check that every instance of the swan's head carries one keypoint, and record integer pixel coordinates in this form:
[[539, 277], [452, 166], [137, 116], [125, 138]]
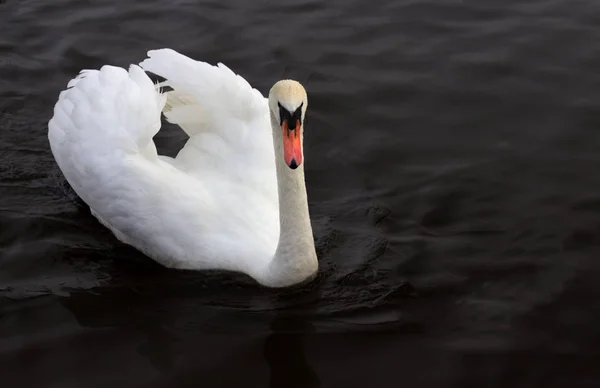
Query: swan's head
[[288, 102]]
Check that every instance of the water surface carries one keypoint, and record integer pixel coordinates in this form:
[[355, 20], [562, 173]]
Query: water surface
[[451, 162]]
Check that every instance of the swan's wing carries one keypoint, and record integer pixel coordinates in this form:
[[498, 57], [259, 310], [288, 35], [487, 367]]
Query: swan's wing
[[106, 111], [204, 94], [101, 137], [103, 120], [227, 120]]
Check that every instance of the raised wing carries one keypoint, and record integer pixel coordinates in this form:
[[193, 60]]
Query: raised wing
[[103, 117], [227, 120]]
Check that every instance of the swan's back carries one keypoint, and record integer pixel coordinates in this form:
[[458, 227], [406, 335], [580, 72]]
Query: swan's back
[[101, 137]]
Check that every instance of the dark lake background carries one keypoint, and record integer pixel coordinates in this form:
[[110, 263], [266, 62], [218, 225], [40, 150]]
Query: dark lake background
[[453, 159]]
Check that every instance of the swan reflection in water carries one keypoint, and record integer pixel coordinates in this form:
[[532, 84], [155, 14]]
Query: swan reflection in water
[[286, 356], [164, 340]]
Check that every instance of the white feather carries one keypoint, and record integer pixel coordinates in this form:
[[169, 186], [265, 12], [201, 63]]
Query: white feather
[[215, 206]]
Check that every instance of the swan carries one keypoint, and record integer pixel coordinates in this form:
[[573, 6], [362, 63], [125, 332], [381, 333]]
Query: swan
[[234, 198]]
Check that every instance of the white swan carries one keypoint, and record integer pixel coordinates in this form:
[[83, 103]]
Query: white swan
[[233, 199]]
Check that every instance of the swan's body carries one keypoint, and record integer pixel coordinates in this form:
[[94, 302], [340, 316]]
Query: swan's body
[[223, 201]]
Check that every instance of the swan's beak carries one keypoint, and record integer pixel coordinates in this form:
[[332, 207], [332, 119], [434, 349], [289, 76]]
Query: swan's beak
[[292, 144]]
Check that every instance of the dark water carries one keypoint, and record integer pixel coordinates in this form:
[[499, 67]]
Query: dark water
[[452, 151]]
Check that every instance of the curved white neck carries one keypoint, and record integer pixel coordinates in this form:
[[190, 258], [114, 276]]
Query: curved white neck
[[295, 259]]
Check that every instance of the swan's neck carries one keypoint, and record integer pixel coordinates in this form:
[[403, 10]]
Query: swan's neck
[[295, 259]]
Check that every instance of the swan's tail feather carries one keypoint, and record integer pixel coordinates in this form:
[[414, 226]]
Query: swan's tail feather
[[202, 93]]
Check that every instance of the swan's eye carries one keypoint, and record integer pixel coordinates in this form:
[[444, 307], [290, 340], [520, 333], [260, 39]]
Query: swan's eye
[[284, 114], [291, 118]]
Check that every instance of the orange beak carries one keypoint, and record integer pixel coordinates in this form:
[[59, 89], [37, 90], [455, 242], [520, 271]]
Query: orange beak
[[292, 145]]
